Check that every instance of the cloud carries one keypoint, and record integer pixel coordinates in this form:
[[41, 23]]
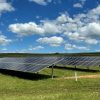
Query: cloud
[[36, 48], [5, 6], [45, 27], [95, 11], [72, 47], [91, 41], [41, 2], [31, 28], [51, 27], [52, 41], [78, 5], [62, 19], [26, 29], [75, 36], [84, 27], [4, 40], [91, 30]]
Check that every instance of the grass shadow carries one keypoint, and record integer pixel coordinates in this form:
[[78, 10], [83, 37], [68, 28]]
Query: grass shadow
[[24, 75], [77, 69]]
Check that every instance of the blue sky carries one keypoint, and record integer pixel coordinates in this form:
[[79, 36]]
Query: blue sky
[[48, 26]]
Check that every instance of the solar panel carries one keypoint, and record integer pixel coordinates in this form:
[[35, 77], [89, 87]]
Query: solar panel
[[80, 61], [27, 64], [37, 63]]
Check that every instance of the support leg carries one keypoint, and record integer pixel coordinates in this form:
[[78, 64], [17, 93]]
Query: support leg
[[52, 72]]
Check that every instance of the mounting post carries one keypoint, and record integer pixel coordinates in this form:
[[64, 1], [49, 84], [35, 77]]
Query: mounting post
[[76, 78], [52, 71], [88, 68], [75, 67]]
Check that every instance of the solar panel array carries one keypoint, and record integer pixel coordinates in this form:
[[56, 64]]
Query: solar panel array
[[27, 64], [81, 61], [37, 63]]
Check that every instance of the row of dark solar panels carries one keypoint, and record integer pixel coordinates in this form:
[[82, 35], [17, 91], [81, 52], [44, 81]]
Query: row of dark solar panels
[[27, 64], [37, 63], [81, 61]]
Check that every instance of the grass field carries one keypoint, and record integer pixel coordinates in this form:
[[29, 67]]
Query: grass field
[[27, 86]]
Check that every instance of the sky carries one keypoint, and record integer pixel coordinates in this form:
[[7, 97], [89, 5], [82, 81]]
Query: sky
[[49, 26]]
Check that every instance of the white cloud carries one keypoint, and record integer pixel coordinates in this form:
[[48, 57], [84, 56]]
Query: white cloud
[[26, 29], [95, 11], [78, 37], [82, 27], [31, 28], [62, 19], [75, 36], [46, 27], [91, 30], [78, 5], [41, 2], [52, 41], [91, 41], [4, 40], [5, 6], [92, 15], [87, 27], [50, 28], [72, 47], [36, 48]]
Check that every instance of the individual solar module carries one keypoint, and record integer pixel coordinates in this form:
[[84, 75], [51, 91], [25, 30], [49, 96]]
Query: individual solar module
[[28, 64], [80, 61]]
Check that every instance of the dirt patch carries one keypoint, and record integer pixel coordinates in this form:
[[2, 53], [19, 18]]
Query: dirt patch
[[82, 76]]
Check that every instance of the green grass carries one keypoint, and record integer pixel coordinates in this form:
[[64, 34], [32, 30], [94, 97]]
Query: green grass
[[16, 87]]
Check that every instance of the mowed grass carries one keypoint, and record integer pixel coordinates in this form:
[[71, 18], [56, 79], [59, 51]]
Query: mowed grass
[[21, 86]]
